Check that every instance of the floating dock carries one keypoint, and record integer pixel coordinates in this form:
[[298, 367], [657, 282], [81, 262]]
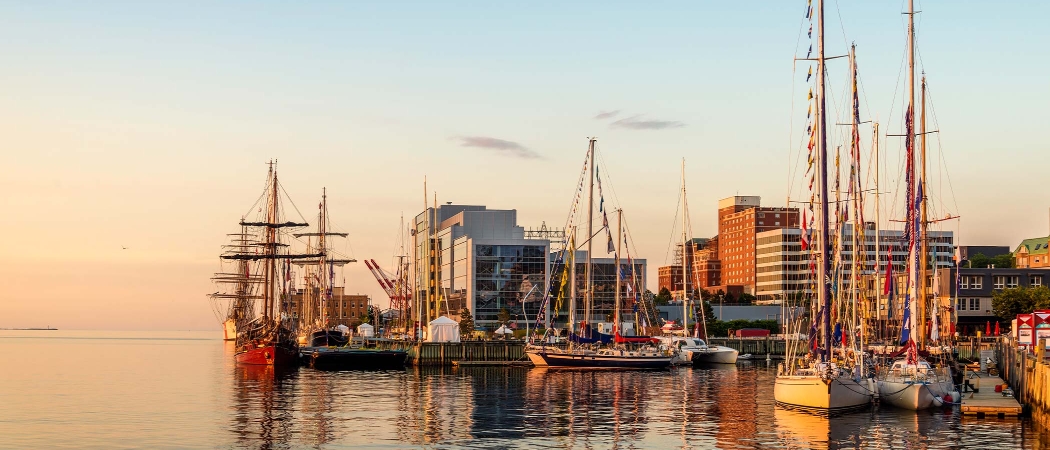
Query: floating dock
[[986, 402]]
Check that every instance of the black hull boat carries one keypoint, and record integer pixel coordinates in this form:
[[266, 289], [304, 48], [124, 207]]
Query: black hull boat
[[606, 359], [328, 338], [326, 358]]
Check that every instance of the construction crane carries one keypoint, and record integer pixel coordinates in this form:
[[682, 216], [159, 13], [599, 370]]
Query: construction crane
[[395, 286]]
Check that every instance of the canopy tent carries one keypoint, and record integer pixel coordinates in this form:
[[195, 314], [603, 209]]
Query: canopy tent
[[366, 330], [443, 329], [504, 330], [343, 329]]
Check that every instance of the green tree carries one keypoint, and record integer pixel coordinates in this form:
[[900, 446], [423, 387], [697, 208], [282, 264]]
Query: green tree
[[466, 322], [709, 313], [1001, 261], [747, 298], [1010, 302], [503, 316], [663, 298]]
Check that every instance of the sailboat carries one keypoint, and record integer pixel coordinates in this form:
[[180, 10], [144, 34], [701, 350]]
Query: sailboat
[[912, 382], [579, 354], [268, 339], [822, 381], [693, 349], [319, 280]]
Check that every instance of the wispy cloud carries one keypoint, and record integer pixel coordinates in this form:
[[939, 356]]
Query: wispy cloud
[[508, 148], [638, 123], [607, 114]]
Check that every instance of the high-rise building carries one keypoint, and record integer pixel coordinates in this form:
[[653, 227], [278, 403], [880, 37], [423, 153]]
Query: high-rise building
[[740, 219], [477, 258]]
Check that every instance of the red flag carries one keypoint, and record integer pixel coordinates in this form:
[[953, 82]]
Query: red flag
[[805, 232], [889, 278]]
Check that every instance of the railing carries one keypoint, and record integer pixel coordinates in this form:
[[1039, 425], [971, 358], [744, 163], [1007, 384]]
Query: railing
[[445, 353]]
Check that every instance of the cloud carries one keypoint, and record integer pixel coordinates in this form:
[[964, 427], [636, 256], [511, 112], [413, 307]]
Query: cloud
[[607, 114], [637, 123], [508, 148]]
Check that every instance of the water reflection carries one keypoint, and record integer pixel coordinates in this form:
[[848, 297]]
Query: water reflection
[[495, 407]]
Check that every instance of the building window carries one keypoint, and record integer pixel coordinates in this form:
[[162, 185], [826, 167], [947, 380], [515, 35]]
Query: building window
[[960, 304], [998, 282], [1011, 281], [1036, 280], [976, 281], [964, 282], [975, 304]]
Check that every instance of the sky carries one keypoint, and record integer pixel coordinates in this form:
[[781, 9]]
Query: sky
[[148, 125]]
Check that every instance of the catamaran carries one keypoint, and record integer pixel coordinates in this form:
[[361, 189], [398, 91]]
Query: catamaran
[[912, 382], [693, 349]]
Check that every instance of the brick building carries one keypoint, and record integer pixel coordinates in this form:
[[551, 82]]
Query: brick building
[[343, 309], [740, 218]]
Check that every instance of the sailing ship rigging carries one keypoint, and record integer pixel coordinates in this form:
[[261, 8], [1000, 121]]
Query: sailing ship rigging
[[268, 338], [585, 349]]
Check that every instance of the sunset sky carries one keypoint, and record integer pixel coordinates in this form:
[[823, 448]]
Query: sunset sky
[[147, 125]]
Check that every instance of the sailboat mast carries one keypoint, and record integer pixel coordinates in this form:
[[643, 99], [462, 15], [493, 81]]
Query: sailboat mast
[[685, 271], [878, 206], [271, 248], [323, 269], [923, 224], [619, 239], [824, 294], [589, 293], [572, 280], [857, 255], [910, 144]]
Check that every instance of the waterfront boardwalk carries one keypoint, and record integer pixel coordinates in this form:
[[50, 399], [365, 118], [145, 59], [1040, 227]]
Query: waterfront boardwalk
[[986, 402]]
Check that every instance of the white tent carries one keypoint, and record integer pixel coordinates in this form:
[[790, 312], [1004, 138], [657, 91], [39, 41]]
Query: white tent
[[443, 329], [343, 329], [366, 330], [504, 330]]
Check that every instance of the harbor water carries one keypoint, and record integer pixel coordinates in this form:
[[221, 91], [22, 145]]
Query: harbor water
[[91, 389]]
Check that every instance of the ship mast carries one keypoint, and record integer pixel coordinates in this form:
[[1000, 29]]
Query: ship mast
[[918, 279], [616, 256], [589, 293], [824, 294], [685, 271], [923, 224]]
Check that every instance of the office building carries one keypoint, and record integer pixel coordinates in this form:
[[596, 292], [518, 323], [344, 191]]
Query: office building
[[740, 219]]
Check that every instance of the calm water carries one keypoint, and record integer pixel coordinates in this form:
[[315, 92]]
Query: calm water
[[181, 390]]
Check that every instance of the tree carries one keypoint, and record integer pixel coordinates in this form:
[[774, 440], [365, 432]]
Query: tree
[[709, 313], [1001, 261], [503, 316], [1010, 302], [466, 322], [747, 298], [663, 298]]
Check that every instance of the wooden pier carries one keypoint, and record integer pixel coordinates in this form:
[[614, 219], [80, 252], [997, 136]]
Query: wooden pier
[[986, 402]]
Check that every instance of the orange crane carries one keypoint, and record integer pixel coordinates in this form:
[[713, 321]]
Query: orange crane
[[395, 286]]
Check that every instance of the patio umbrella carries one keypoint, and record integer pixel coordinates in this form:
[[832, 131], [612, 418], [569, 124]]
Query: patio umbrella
[[997, 328], [988, 328]]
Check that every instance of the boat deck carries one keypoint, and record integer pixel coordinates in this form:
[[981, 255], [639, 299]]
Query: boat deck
[[987, 402]]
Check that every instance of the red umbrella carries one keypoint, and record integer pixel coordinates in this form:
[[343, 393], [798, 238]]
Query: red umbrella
[[988, 328], [997, 328]]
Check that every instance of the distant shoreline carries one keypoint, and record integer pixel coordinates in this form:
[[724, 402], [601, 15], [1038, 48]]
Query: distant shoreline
[[30, 329]]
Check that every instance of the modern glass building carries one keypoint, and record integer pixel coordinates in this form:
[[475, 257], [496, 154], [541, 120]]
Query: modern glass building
[[604, 283], [477, 258]]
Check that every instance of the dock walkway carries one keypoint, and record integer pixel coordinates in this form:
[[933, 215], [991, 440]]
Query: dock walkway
[[986, 402]]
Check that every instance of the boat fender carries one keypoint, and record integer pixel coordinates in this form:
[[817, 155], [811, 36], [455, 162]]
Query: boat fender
[[948, 399]]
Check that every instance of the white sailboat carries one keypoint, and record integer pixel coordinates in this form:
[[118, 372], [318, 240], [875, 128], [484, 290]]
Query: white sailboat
[[694, 350], [911, 382], [825, 383]]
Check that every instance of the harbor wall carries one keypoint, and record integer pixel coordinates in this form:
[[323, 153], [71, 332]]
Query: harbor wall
[[445, 353], [1028, 373]]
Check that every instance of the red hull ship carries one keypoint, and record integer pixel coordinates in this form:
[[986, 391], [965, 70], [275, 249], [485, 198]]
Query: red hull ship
[[267, 355]]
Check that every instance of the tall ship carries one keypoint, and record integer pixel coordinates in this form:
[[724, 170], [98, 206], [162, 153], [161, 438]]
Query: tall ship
[[920, 377], [318, 285], [266, 336], [234, 302], [588, 348], [830, 377]]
